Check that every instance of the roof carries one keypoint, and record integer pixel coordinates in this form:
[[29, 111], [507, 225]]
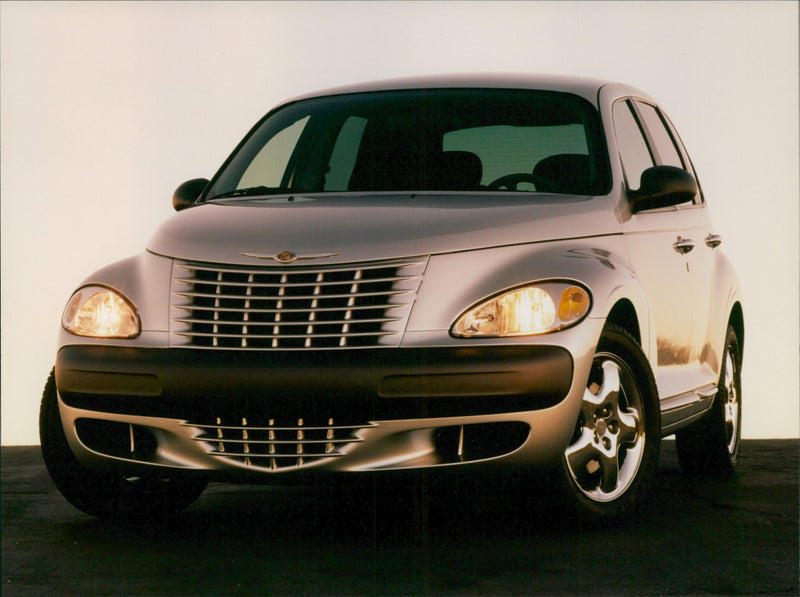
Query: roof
[[582, 86]]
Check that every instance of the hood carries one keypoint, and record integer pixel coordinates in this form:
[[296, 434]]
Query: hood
[[347, 228]]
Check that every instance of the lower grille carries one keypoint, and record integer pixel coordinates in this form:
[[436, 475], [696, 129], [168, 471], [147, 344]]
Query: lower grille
[[274, 444]]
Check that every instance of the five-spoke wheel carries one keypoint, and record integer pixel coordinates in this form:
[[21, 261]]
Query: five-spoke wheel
[[605, 458], [614, 448]]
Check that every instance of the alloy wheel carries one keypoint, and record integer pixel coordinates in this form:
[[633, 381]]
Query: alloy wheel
[[608, 443]]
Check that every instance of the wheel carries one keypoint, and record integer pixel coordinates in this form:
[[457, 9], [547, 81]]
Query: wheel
[[711, 446], [613, 454], [109, 494]]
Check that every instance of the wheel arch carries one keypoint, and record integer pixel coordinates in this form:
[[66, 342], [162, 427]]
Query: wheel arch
[[627, 307], [623, 314], [727, 297], [736, 320]]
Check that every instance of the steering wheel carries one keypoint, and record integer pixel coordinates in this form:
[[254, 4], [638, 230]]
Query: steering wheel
[[512, 181]]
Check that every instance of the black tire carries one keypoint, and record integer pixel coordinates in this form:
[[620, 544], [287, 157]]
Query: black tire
[[613, 454], [711, 446], [107, 494]]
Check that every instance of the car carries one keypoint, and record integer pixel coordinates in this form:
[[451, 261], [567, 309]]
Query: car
[[477, 273]]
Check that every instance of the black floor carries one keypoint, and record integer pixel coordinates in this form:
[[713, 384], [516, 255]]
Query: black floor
[[737, 537]]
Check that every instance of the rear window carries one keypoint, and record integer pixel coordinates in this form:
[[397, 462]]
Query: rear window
[[423, 140]]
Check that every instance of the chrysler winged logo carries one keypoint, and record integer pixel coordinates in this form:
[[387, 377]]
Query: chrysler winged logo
[[289, 256]]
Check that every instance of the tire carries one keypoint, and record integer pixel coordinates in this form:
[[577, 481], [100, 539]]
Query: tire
[[711, 446], [107, 494], [613, 454]]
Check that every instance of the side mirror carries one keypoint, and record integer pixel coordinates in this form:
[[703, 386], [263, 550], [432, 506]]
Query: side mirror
[[663, 186], [187, 194]]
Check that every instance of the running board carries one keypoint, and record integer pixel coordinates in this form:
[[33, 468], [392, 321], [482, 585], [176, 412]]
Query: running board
[[683, 409]]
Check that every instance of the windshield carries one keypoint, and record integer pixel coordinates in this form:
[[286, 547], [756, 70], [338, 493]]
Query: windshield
[[423, 140]]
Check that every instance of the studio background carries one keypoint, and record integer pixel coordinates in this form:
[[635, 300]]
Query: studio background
[[105, 107]]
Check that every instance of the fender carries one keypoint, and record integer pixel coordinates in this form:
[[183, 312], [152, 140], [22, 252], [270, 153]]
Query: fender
[[144, 279], [454, 282], [726, 284]]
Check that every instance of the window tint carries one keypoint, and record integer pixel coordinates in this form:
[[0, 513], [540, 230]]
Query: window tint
[[270, 163], [434, 139], [516, 149], [345, 152], [633, 149], [685, 155], [665, 146]]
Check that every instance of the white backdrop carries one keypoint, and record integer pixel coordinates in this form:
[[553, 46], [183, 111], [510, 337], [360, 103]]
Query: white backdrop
[[107, 107]]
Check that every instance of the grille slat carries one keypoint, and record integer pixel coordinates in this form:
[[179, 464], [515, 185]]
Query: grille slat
[[276, 336], [253, 284], [251, 455], [321, 321], [220, 296], [295, 442], [293, 307], [285, 310], [280, 270]]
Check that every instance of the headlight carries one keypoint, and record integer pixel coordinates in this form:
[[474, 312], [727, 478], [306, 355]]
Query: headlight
[[525, 311], [101, 313]]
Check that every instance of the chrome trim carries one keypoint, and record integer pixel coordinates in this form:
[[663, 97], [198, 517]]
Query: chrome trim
[[678, 411], [274, 446], [278, 308], [289, 256], [683, 245]]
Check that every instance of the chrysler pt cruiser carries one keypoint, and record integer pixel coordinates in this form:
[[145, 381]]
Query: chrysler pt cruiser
[[476, 273]]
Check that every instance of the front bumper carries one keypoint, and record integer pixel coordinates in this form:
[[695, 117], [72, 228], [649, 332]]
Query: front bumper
[[247, 414]]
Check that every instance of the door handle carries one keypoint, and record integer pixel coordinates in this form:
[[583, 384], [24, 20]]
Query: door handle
[[713, 240], [683, 245]]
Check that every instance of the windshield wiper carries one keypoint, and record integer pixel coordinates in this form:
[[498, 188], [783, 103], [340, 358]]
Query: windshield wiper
[[258, 191]]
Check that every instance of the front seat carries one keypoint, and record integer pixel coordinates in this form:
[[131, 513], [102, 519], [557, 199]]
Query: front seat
[[563, 173], [454, 171]]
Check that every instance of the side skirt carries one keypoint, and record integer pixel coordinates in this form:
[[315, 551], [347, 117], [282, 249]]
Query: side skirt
[[684, 409]]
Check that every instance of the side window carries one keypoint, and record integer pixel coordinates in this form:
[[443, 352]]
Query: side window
[[687, 160], [664, 144], [633, 149]]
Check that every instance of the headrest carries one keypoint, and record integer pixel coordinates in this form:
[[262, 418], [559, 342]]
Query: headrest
[[455, 170], [563, 173]]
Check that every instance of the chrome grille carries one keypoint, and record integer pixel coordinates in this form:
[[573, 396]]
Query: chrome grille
[[273, 444], [290, 307]]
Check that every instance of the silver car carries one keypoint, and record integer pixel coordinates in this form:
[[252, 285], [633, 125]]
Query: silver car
[[479, 273]]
